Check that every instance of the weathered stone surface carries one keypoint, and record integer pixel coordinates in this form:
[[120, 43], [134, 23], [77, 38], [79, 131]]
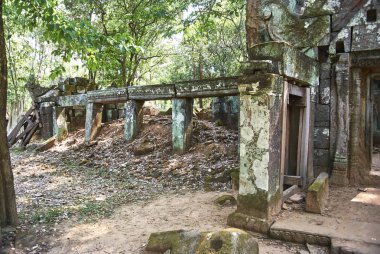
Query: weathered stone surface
[[243, 221], [143, 148], [339, 246], [317, 194], [182, 124], [324, 91], [260, 145], [133, 118], [46, 145], [93, 121], [230, 240], [151, 92], [226, 200], [226, 110], [322, 113], [207, 88], [227, 241], [296, 198], [366, 37], [314, 249], [321, 157], [36, 90], [325, 71], [46, 113], [291, 62], [283, 23], [321, 138], [60, 128], [72, 100], [114, 95]]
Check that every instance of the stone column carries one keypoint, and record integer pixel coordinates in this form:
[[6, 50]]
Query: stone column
[[340, 127], [93, 120], [260, 193], [46, 113], [226, 111], [182, 126], [59, 123], [133, 118]]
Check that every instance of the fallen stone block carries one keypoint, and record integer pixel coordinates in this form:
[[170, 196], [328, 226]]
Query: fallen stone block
[[231, 241], [226, 200], [317, 194], [296, 198], [46, 145]]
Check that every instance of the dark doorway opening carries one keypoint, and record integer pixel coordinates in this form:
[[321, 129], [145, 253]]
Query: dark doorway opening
[[375, 109]]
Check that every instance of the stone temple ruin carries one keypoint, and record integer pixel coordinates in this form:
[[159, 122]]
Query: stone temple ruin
[[309, 103]]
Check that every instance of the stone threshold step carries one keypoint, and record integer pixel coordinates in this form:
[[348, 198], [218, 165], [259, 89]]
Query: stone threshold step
[[339, 246], [317, 229]]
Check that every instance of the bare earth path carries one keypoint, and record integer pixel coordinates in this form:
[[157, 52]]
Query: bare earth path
[[128, 230]]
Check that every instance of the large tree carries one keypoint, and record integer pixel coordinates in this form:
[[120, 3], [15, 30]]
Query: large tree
[[8, 211]]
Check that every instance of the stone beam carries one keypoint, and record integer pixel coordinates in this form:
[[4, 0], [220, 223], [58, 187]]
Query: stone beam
[[93, 121], [133, 118], [72, 100], [283, 59], [260, 193], [151, 92], [182, 124], [207, 88], [114, 95]]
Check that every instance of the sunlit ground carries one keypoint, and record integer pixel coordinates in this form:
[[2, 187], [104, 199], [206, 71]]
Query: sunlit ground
[[371, 196]]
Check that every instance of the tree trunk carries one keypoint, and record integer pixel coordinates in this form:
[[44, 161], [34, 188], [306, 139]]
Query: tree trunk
[[8, 211], [200, 77], [252, 23], [123, 65]]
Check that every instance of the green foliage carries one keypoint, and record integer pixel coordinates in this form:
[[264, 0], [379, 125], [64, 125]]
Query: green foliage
[[126, 42]]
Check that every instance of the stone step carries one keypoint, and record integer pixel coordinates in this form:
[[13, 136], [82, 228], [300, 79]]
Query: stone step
[[339, 246], [320, 230]]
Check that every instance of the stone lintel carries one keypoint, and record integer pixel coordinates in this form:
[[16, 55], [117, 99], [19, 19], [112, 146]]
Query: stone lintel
[[72, 100], [114, 95], [182, 124], [288, 62], [93, 121], [207, 88], [366, 37], [151, 92], [365, 59], [260, 146], [133, 118]]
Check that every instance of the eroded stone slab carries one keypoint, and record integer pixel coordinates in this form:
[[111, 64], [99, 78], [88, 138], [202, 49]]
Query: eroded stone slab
[[317, 194], [231, 241]]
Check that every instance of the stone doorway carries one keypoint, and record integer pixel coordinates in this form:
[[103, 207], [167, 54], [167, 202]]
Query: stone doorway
[[295, 139], [375, 125]]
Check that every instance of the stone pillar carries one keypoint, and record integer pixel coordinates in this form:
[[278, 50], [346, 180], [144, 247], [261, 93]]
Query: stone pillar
[[182, 126], [46, 113], [226, 111], [59, 123], [260, 193], [340, 127], [93, 120], [133, 118]]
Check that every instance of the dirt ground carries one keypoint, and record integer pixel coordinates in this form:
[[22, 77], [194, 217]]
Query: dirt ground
[[128, 230], [107, 197]]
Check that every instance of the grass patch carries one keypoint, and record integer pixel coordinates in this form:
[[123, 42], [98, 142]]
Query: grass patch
[[92, 211], [45, 216]]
